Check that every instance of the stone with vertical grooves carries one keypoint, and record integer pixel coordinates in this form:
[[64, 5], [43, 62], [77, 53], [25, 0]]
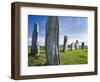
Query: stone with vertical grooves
[[52, 41]]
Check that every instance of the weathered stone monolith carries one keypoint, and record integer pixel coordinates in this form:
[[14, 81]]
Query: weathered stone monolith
[[65, 45], [77, 44], [82, 45], [72, 46], [52, 41], [35, 42]]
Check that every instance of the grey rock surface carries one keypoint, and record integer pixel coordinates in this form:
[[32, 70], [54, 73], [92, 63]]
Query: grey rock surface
[[72, 46], [52, 41], [77, 44], [65, 45], [35, 43], [82, 45]]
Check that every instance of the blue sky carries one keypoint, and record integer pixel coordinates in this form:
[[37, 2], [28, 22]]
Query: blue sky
[[75, 28]]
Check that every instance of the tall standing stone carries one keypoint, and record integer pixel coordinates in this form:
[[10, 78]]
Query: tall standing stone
[[82, 45], [77, 44], [72, 46], [35, 43], [65, 46], [52, 40]]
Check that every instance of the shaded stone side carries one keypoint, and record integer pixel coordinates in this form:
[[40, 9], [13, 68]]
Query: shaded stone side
[[82, 45], [35, 43], [72, 46], [65, 46]]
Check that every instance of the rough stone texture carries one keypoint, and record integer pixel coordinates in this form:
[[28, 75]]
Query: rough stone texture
[[82, 45], [65, 45], [72, 46], [77, 44], [52, 41], [35, 43]]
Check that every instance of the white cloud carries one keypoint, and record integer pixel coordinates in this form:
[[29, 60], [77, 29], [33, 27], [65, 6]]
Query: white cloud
[[42, 41], [29, 41], [81, 38]]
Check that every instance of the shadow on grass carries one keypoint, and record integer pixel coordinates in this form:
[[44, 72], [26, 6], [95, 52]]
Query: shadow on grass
[[42, 52]]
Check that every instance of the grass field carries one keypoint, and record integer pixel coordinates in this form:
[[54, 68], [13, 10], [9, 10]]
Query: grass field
[[66, 58]]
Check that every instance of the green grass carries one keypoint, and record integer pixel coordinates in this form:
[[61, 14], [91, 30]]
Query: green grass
[[66, 58], [36, 60], [74, 57]]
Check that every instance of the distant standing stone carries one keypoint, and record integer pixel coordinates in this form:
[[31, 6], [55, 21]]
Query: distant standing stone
[[72, 46], [82, 45], [65, 46], [52, 41], [77, 44], [35, 43]]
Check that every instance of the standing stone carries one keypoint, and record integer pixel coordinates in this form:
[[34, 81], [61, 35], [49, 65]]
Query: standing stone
[[65, 46], [77, 44], [35, 43], [82, 45], [72, 46], [52, 41]]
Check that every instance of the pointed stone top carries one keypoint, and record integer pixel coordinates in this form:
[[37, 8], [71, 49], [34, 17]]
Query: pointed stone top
[[36, 23], [36, 27], [77, 41]]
